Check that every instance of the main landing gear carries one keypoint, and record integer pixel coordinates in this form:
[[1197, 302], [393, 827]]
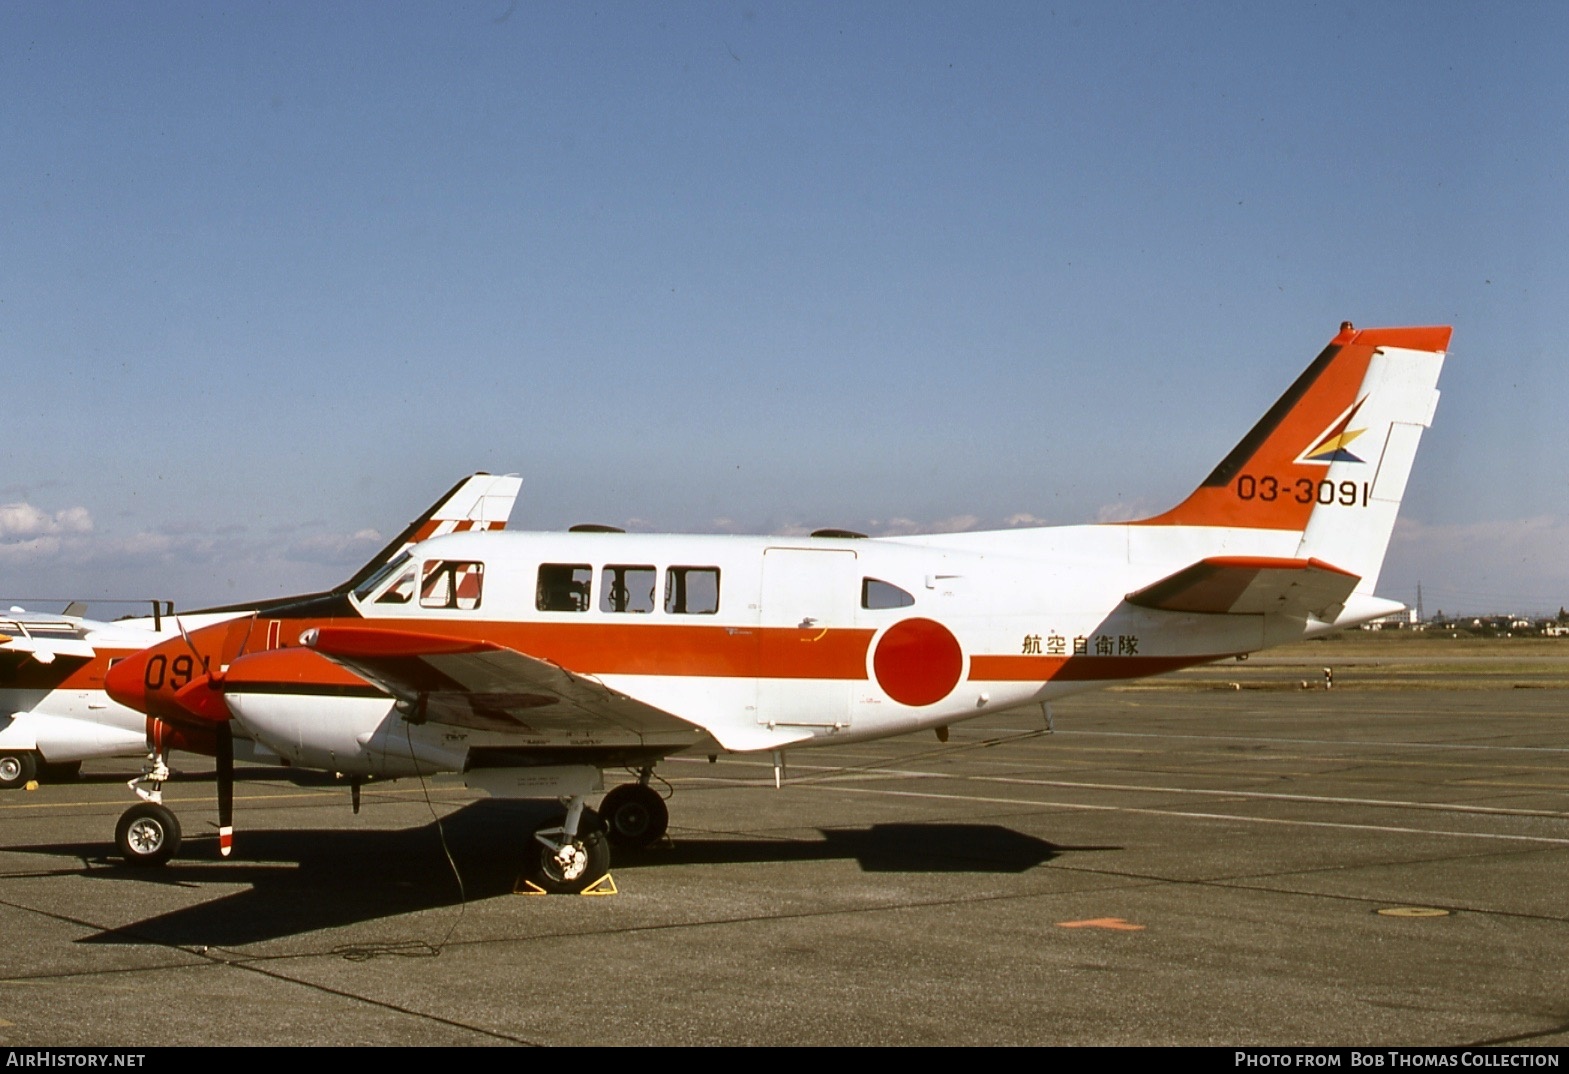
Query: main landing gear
[[17, 769], [569, 853], [635, 815]]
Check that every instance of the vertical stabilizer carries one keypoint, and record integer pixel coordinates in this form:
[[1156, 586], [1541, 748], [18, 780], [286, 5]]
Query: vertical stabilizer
[[1330, 459], [479, 502], [1366, 458]]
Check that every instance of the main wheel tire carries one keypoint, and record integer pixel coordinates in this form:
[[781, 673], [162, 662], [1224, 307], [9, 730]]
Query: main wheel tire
[[17, 769], [635, 816], [584, 862], [148, 834]]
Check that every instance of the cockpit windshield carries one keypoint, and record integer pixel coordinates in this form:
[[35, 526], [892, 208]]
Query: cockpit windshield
[[371, 584]]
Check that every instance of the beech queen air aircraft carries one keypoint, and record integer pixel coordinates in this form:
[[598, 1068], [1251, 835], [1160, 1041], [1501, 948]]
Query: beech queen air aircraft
[[54, 713], [532, 662]]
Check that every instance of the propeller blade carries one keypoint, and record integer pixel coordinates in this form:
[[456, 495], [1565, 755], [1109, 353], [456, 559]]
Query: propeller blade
[[189, 644], [250, 628], [225, 789]]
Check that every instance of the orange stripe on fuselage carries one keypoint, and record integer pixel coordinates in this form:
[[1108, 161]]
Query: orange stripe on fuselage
[[1078, 668], [653, 649], [681, 651]]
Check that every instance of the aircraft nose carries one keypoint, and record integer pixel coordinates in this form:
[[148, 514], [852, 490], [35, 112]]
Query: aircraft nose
[[126, 681]]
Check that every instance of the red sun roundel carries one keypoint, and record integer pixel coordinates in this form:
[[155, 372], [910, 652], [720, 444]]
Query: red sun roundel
[[918, 662]]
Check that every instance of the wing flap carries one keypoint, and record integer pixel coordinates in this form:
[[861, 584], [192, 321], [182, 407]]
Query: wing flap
[[1252, 585]]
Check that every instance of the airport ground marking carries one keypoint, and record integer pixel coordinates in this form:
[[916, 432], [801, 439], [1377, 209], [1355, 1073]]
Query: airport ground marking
[[1387, 803], [1316, 799], [1316, 741], [1066, 754], [1228, 817], [1116, 924]]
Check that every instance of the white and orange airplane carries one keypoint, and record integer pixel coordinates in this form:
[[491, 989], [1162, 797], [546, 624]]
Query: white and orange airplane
[[532, 662], [54, 711]]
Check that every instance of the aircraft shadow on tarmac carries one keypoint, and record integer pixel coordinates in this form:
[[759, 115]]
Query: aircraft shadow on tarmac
[[305, 880]]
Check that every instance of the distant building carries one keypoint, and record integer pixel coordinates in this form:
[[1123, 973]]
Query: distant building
[[1401, 620]]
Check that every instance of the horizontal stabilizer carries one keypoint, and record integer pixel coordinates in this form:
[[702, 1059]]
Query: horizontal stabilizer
[[1252, 585]]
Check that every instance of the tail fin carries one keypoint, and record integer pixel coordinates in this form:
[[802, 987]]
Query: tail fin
[[1330, 459], [478, 502]]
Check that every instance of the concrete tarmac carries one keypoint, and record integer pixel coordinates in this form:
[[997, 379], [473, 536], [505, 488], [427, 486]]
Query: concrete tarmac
[[1198, 866]]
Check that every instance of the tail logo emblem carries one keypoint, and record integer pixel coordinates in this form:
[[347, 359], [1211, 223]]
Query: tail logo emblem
[[1333, 445]]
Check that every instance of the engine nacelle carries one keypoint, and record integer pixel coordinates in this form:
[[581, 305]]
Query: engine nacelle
[[360, 736]]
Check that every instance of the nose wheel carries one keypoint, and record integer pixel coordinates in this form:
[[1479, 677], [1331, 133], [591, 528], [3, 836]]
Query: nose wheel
[[148, 834]]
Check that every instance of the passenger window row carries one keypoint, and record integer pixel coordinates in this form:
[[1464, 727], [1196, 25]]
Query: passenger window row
[[627, 589], [624, 588]]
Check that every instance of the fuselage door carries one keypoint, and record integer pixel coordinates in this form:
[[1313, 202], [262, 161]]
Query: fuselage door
[[807, 662]]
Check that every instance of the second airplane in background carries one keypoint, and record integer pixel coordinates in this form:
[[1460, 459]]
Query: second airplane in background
[[533, 662], [55, 714]]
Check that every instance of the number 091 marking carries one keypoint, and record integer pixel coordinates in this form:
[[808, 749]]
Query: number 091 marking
[[174, 674], [1268, 489]]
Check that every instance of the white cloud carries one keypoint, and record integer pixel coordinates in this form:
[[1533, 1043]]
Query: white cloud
[[906, 527], [1125, 511], [955, 524], [25, 520], [29, 551], [333, 549]]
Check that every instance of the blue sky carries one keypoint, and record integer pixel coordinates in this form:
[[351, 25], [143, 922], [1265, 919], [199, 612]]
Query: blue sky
[[275, 275]]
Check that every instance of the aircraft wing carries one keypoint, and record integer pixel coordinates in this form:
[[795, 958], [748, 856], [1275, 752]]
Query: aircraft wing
[[44, 650], [1252, 585], [490, 687]]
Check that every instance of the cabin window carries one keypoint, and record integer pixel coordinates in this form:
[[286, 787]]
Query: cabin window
[[564, 587], [877, 594], [451, 583], [627, 589], [692, 590]]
